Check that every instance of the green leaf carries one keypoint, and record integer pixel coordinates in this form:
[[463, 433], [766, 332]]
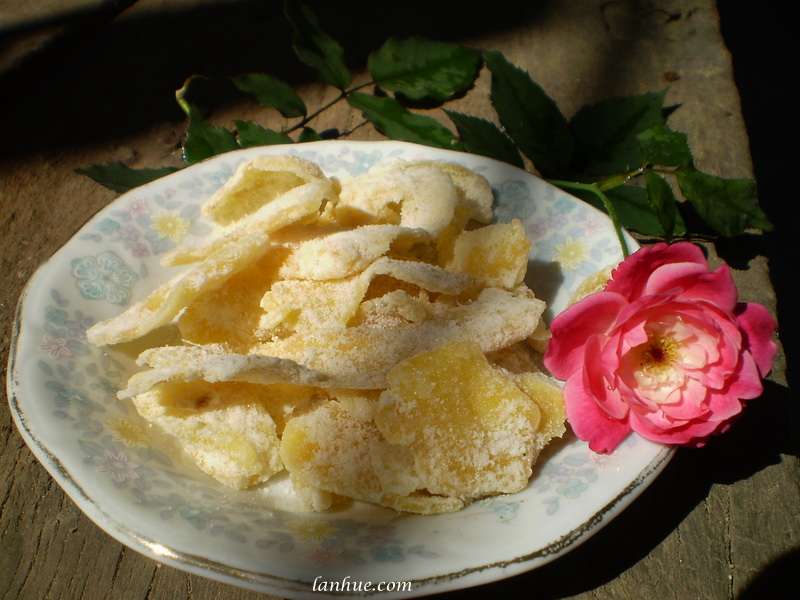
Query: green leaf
[[607, 132], [483, 137], [398, 123], [121, 178], [309, 135], [419, 68], [659, 145], [271, 92], [315, 48], [728, 206], [204, 140], [632, 207], [251, 135], [661, 198], [529, 116]]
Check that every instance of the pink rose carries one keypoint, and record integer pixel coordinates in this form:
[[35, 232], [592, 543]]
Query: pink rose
[[665, 350]]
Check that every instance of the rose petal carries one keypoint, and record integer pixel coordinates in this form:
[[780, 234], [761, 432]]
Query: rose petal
[[589, 422], [757, 325], [594, 314], [747, 384], [695, 433], [717, 287], [631, 276]]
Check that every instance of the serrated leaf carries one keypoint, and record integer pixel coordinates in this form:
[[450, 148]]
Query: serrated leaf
[[121, 178], [483, 137], [633, 209], [271, 92], [607, 132], [419, 68], [661, 198], [251, 135], [395, 121], [659, 145], [308, 135], [529, 116], [316, 48], [204, 140], [728, 206]]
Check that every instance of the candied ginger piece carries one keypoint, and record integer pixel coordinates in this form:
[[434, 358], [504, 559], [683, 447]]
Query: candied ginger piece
[[165, 302], [475, 196], [496, 254], [304, 305], [392, 309], [431, 201], [416, 196], [331, 450], [372, 197], [596, 282], [312, 498], [229, 315], [223, 426], [470, 428], [548, 396], [299, 205], [345, 253], [258, 182], [212, 363], [359, 357]]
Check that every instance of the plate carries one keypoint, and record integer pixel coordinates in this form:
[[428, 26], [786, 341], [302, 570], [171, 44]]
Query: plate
[[143, 491]]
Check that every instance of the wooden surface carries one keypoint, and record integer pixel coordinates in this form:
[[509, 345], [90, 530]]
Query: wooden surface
[[722, 522]]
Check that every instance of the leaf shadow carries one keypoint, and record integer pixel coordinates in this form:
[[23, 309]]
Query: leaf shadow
[[118, 78]]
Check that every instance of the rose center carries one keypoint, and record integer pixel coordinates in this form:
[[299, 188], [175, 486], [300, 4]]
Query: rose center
[[658, 353]]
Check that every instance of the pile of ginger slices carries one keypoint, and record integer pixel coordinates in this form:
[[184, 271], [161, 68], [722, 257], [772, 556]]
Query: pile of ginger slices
[[372, 336]]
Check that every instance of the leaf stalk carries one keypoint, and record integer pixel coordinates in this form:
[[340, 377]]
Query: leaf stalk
[[593, 188]]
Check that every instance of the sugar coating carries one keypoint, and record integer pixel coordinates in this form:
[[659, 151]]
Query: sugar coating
[[496, 254], [257, 183], [330, 450], [163, 304], [223, 426], [344, 253], [469, 428], [299, 305], [373, 333], [298, 205], [212, 363], [361, 356]]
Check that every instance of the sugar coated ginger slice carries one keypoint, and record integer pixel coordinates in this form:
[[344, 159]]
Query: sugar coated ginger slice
[[308, 305], [496, 254], [470, 428], [224, 427], [418, 196], [213, 363], [475, 196], [297, 206], [166, 301], [344, 253], [229, 315], [545, 391], [361, 356], [258, 182], [329, 449]]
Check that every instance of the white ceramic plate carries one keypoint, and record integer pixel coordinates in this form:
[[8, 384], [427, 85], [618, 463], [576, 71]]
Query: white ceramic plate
[[143, 492]]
